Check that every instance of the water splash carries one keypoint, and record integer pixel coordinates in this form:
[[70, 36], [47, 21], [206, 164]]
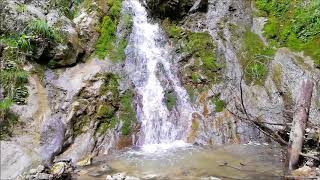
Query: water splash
[[147, 57]]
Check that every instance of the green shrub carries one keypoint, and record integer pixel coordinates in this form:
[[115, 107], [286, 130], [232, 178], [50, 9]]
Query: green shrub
[[300, 25], [5, 104], [41, 28], [21, 8]]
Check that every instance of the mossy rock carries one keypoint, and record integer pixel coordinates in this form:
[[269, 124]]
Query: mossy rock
[[105, 111]]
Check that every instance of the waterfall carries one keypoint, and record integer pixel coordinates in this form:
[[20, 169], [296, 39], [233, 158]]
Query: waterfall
[[149, 67]]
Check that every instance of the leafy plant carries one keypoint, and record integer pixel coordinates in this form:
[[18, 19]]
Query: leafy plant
[[41, 28], [300, 25]]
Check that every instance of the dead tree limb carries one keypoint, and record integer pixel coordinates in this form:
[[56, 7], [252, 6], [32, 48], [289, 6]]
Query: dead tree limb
[[264, 129], [299, 122]]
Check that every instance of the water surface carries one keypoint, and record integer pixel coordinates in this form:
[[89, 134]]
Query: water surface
[[193, 162]]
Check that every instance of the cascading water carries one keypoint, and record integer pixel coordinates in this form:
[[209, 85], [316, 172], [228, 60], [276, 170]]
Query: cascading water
[[148, 66]]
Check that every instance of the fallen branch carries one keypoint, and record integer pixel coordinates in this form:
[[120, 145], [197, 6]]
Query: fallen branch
[[264, 129], [299, 122]]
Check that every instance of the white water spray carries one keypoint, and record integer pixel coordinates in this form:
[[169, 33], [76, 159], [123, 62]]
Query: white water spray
[[146, 55]]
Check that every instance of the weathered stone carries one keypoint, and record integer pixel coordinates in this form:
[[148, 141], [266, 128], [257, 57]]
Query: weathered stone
[[14, 160], [118, 176], [87, 22], [85, 162], [66, 52], [16, 16], [58, 168]]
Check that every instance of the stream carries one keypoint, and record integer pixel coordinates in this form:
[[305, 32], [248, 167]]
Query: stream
[[161, 151]]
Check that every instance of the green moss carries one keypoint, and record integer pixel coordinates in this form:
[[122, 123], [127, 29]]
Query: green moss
[[127, 114], [80, 125], [300, 25], [105, 125], [110, 84], [191, 93], [64, 7], [107, 36], [108, 44], [271, 28], [105, 111], [277, 76], [173, 31], [194, 77], [170, 100], [254, 58], [219, 104]]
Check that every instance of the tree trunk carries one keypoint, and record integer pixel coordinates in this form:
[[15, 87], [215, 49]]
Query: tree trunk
[[300, 118]]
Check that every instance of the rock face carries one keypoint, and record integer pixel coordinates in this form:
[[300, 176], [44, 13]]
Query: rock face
[[273, 102], [174, 9], [14, 16], [67, 52], [64, 51]]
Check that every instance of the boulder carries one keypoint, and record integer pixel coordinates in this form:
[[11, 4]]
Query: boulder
[[17, 15], [14, 160], [66, 52], [86, 23]]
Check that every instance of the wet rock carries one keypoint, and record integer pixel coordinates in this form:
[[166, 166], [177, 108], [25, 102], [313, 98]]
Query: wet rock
[[58, 168], [33, 171], [52, 139], [304, 171], [199, 5], [85, 162]]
